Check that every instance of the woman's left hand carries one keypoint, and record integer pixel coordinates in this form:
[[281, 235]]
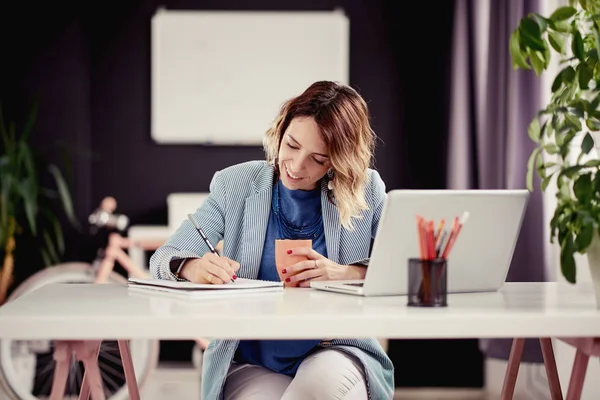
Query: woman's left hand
[[319, 268]]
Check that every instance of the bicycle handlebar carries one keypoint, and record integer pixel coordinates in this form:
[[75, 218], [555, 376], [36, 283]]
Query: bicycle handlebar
[[103, 217]]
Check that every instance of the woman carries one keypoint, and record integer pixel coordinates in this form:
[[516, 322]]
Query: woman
[[315, 183]]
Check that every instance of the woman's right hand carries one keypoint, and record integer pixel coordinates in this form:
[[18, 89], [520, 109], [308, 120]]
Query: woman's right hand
[[211, 268]]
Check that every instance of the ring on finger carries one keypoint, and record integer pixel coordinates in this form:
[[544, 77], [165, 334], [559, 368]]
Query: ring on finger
[[316, 265], [209, 278]]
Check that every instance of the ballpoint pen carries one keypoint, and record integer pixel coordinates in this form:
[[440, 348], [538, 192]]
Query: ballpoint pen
[[203, 235], [201, 232]]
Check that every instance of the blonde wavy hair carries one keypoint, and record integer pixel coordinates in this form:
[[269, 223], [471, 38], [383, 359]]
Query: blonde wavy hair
[[343, 117]]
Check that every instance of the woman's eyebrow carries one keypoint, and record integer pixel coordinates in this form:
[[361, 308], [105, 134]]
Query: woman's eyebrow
[[298, 143]]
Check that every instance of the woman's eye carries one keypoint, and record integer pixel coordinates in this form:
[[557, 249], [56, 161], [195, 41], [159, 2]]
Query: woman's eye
[[319, 162], [292, 147]]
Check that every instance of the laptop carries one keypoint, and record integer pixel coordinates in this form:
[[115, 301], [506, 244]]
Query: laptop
[[480, 258]]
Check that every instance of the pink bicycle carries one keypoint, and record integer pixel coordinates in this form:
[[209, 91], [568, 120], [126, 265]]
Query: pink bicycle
[[28, 368]]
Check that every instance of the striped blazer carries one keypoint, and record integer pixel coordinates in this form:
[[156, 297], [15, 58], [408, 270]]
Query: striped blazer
[[237, 211]]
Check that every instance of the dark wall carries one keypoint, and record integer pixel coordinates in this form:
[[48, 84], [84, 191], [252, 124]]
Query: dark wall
[[90, 69]]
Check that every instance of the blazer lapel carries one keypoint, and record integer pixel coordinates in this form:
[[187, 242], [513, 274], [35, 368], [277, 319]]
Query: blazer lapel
[[331, 226], [256, 219]]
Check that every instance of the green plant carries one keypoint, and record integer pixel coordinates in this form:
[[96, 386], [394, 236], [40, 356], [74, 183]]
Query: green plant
[[26, 205], [571, 117]]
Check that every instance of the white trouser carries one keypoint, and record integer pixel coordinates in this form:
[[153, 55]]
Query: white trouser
[[327, 374]]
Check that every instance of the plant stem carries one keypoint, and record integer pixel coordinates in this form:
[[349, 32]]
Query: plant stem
[[6, 273]]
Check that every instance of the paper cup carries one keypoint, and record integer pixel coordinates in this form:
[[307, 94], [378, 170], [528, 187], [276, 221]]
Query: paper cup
[[284, 260]]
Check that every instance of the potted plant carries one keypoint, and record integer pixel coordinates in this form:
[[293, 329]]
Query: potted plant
[[26, 205], [565, 130]]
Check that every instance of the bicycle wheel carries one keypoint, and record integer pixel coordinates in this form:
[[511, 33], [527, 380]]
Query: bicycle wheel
[[27, 367]]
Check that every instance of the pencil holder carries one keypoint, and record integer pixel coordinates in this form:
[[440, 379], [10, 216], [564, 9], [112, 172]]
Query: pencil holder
[[427, 282]]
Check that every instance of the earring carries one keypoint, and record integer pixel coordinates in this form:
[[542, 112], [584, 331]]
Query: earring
[[330, 179]]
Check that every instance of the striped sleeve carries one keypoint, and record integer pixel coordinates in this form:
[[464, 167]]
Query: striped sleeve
[[375, 195], [186, 242]]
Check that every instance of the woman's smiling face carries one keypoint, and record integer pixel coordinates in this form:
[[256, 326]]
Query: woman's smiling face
[[303, 156]]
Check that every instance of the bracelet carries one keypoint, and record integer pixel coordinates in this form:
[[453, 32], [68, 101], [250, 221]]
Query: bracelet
[[179, 269]]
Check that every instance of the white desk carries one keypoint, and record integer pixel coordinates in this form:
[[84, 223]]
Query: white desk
[[104, 311]]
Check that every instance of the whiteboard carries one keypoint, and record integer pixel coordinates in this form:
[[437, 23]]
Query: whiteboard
[[220, 77]]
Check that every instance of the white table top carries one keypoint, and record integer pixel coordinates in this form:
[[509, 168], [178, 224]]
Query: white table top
[[107, 311]]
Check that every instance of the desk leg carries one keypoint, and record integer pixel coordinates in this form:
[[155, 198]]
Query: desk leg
[[85, 351], [577, 375], [512, 369], [551, 372], [132, 387], [62, 357], [88, 352]]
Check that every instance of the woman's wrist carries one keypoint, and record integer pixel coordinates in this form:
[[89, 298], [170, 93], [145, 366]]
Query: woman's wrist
[[186, 268], [356, 272]]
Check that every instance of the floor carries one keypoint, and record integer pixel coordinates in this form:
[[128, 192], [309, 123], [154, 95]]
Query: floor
[[180, 381]]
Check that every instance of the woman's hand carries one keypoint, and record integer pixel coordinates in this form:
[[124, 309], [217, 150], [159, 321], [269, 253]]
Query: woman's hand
[[210, 269], [319, 268]]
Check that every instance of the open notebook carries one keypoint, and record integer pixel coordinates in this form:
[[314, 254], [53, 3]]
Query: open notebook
[[239, 286]]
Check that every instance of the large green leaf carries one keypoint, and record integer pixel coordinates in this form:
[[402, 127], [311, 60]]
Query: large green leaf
[[593, 124], [582, 188], [518, 59], [530, 34], [537, 61], [566, 141], [584, 238], [587, 143], [557, 83], [557, 42], [569, 173], [545, 182], [595, 103], [573, 121], [551, 148], [567, 261], [562, 26], [578, 107], [541, 21], [577, 45], [563, 13], [534, 130], [568, 74], [584, 75]]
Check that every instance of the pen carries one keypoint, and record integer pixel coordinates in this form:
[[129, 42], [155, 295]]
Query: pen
[[201, 232], [203, 235]]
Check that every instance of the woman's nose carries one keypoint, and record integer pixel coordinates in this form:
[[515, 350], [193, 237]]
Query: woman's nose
[[298, 164]]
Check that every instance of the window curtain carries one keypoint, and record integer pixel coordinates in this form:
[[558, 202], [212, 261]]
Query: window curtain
[[490, 109]]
